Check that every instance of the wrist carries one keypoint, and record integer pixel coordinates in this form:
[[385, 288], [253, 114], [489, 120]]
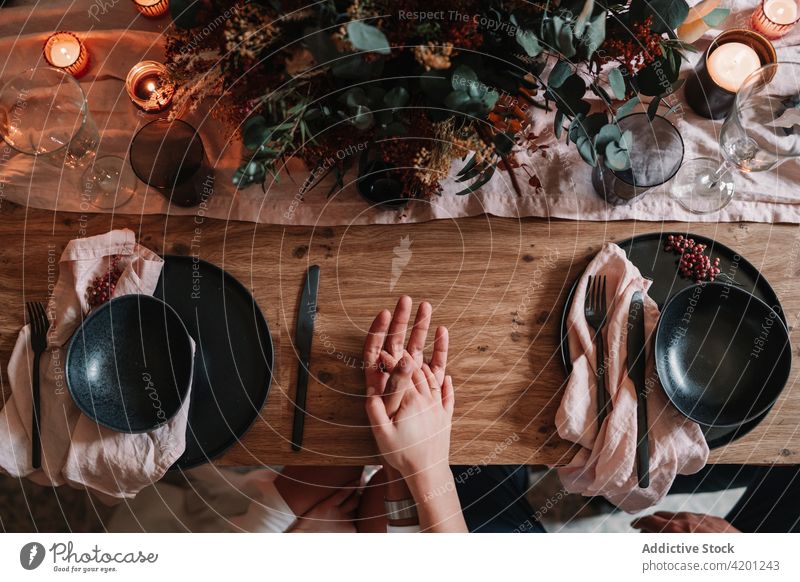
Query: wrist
[[430, 482]]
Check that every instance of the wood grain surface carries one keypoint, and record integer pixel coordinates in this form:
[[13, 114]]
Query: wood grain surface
[[498, 284]]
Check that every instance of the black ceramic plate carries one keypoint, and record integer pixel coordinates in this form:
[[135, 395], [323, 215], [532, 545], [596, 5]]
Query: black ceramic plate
[[234, 357], [723, 356], [129, 364], [646, 251]]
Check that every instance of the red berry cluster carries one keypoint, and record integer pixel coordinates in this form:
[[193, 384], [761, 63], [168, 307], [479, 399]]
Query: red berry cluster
[[102, 287], [693, 262], [636, 48]]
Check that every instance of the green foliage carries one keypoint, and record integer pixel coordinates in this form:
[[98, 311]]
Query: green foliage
[[366, 37]]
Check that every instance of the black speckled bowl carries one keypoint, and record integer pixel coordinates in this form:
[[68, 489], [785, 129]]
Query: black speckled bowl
[[129, 366]]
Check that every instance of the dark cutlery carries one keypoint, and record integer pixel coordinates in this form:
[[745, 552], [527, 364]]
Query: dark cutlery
[[595, 312], [37, 319], [636, 372], [304, 335]]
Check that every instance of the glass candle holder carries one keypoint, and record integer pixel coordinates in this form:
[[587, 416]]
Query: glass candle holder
[[65, 51], [148, 87], [711, 88], [152, 8], [775, 18]]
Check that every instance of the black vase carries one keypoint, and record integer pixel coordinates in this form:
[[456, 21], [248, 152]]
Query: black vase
[[378, 187]]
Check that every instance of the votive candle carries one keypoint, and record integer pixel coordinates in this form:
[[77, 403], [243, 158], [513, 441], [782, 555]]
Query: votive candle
[[65, 51], [774, 18], [731, 63], [148, 86], [152, 8]]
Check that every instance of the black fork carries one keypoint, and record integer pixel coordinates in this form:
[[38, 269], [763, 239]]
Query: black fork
[[595, 311], [37, 318]]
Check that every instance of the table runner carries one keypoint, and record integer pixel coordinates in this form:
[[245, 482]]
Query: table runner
[[117, 37]]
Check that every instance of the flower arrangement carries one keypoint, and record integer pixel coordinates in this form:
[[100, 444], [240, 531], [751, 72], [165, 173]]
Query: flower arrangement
[[413, 86]]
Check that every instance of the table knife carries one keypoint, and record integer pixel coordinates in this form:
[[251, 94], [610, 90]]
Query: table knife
[[636, 372], [303, 337]]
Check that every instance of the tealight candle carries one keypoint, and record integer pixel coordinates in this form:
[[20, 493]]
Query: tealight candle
[[774, 18], [152, 8], [65, 51], [731, 63], [148, 86]]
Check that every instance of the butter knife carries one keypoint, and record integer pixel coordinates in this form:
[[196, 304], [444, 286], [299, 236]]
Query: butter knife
[[636, 372], [303, 338]]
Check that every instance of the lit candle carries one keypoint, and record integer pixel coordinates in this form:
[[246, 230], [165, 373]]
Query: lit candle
[[774, 18], [731, 63], [63, 50], [148, 86], [152, 8]]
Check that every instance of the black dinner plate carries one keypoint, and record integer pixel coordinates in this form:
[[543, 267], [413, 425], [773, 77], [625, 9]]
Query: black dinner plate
[[723, 356], [646, 252], [233, 359]]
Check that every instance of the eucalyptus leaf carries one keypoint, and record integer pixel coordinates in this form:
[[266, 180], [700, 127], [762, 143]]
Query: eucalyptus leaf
[[617, 158], [608, 133], [617, 82], [667, 14], [652, 108], [363, 118], [463, 77], [457, 100], [366, 37], [587, 151], [560, 73], [595, 34], [627, 108], [396, 98], [529, 42], [583, 17], [558, 124]]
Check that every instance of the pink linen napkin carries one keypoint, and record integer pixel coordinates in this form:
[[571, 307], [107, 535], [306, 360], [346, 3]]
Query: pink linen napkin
[[605, 465], [76, 450]]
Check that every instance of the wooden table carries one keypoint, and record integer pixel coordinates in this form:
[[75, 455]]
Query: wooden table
[[498, 284]]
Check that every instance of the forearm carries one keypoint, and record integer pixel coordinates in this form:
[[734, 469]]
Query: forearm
[[438, 506]]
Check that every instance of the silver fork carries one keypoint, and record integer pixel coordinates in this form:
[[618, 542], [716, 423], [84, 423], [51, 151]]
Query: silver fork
[[595, 311], [37, 318]]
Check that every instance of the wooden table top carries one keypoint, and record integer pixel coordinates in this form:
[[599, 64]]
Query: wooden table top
[[498, 284]]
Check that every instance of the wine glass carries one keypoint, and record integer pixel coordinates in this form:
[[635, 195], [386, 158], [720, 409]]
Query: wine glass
[[44, 113], [761, 131]]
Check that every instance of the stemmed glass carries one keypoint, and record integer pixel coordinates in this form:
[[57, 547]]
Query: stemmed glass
[[761, 131]]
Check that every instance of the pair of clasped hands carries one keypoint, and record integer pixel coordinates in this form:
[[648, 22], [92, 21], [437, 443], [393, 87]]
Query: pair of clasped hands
[[410, 407]]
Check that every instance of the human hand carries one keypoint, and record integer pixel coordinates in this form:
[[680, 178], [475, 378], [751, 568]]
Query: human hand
[[334, 514], [683, 522], [383, 349], [416, 439]]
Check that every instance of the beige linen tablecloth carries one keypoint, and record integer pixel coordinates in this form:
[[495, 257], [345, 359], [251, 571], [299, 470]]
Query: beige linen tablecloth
[[117, 37]]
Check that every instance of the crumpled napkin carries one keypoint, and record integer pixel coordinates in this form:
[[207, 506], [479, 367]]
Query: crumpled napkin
[[76, 450], [606, 462]]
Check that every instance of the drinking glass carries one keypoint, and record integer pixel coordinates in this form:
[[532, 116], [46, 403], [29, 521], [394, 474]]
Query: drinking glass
[[761, 131], [655, 158], [44, 113], [108, 182], [169, 156]]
